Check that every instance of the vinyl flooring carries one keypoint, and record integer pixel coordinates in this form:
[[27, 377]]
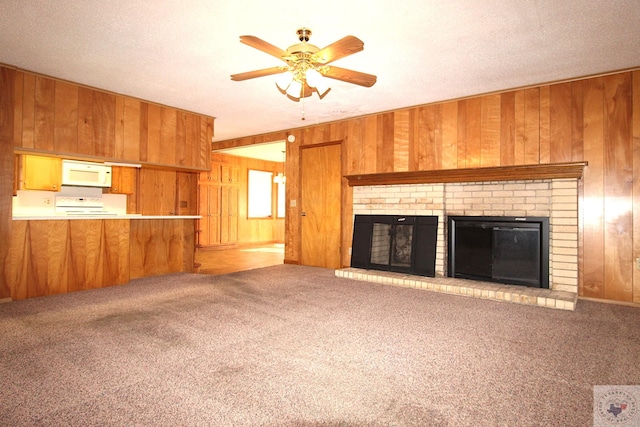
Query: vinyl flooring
[[223, 261]]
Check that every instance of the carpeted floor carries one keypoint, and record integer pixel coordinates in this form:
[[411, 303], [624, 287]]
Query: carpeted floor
[[296, 346]]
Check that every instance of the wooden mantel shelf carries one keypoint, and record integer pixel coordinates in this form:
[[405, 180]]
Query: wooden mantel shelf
[[499, 173]]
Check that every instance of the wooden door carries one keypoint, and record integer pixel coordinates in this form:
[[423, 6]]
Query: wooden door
[[320, 193]]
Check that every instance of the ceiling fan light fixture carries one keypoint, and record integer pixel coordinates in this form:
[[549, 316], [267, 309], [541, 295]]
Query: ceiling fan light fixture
[[295, 89], [283, 81], [280, 178], [316, 80]]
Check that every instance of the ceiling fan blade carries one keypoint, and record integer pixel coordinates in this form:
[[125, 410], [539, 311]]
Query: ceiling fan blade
[[264, 46], [257, 73], [350, 76], [344, 47]]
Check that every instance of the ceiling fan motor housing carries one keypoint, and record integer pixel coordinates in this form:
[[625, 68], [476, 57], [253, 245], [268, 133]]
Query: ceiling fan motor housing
[[304, 34]]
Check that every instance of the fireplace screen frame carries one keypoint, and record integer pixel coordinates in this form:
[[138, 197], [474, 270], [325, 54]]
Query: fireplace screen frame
[[423, 239], [487, 267]]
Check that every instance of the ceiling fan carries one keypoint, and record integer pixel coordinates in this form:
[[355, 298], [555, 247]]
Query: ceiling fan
[[307, 65]]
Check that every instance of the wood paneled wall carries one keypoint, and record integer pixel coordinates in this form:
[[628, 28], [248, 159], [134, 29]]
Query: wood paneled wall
[[596, 120], [6, 175], [160, 246], [58, 117], [251, 230], [50, 257], [54, 257]]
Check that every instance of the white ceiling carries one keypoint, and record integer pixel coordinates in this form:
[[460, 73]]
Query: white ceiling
[[181, 52]]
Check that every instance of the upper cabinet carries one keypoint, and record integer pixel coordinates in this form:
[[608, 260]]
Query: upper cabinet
[[229, 174], [158, 189], [212, 176], [123, 180], [61, 118], [40, 173]]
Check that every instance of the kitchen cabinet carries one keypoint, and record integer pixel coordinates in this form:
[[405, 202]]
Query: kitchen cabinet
[[187, 193], [157, 193], [69, 119], [167, 192], [96, 123], [218, 206], [229, 174], [123, 180], [212, 176], [209, 210], [40, 173], [228, 214]]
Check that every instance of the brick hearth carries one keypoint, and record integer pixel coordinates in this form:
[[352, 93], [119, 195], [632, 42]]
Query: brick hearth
[[553, 198], [469, 288]]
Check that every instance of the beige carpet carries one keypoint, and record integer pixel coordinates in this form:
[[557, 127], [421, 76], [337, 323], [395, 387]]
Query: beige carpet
[[296, 346]]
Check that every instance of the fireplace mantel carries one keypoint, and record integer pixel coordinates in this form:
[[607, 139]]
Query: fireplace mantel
[[500, 173]]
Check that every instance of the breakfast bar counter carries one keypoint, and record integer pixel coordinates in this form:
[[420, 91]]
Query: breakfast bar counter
[[89, 216], [54, 255]]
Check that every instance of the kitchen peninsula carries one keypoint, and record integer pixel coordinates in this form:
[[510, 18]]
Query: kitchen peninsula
[[149, 221], [51, 256]]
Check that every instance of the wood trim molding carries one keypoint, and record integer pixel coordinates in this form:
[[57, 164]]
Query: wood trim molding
[[499, 173]]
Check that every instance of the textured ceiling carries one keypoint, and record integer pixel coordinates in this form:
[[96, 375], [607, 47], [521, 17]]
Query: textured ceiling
[[181, 52]]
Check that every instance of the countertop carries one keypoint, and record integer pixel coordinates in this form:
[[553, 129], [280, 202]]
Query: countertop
[[124, 216]]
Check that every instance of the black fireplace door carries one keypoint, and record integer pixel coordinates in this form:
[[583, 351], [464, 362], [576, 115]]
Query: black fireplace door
[[510, 250], [405, 244]]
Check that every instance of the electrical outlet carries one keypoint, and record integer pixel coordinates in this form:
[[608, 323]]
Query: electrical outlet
[[46, 201]]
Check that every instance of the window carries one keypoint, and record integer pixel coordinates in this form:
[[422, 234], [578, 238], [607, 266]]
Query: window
[[259, 197]]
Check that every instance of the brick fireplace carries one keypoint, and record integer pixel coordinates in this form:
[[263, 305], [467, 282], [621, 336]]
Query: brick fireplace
[[553, 198]]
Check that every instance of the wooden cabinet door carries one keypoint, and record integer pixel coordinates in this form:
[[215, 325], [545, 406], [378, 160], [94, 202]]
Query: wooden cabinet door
[[211, 176], [129, 143], [123, 180], [203, 211], [209, 210], [65, 120], [41, 173], [229, 174], [229, 214], [96, 123], [187, 193], [157, 191]]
